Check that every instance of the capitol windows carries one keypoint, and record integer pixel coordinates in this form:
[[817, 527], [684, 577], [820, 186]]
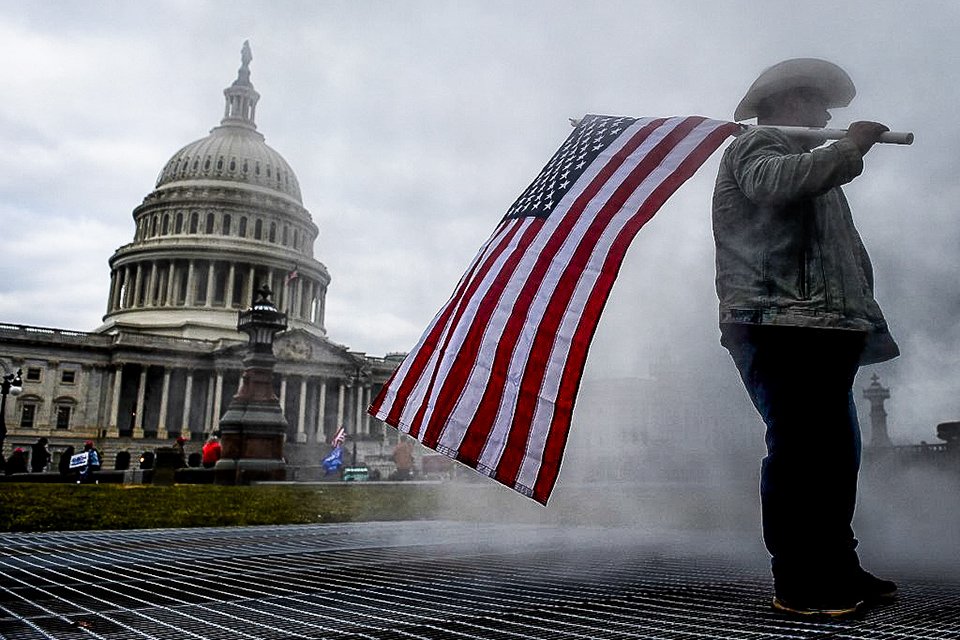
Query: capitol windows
[[194, 222], [256, 168], [33, 374], [219, 285], [245, 168], [178, 225], [227, 221], [242, 229], [273, 232], [239, 286], [258, 229], [165, 228], [141, 290], [28, 414], [156, 225], [233, 164], [206, 164], [201, 292], [296, 239], [63, 412], [260, 276], [210, 222], [29, 406], [63, 416], [68, 376], [182, 290]]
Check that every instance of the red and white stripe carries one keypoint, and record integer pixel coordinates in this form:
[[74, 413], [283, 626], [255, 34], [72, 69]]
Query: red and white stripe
[[493, 380], [339, 437]]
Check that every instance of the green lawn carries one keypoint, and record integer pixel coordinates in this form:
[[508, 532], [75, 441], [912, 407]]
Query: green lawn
[[60, 507]]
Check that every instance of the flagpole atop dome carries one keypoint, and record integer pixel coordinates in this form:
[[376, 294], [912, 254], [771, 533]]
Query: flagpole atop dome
[[241, 98]]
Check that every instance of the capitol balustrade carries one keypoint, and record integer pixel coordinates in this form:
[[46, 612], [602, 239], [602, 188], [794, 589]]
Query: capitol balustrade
[[56, 336], [67, 336], [148, 340]]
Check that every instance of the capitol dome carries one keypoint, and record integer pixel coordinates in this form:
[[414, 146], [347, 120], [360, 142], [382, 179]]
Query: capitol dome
[[236, 153], [225, 217]]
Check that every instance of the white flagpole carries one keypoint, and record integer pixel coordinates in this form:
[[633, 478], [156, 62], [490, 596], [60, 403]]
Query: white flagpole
[[888, 137]]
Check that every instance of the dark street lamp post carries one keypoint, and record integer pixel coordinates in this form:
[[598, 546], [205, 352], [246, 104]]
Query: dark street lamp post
[[12, 384], [253, 428]]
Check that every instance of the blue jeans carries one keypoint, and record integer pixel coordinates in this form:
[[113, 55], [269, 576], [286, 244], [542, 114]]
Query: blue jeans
[[800, 380]]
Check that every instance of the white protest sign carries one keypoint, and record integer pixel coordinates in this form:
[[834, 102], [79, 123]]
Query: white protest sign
[[79, 460]]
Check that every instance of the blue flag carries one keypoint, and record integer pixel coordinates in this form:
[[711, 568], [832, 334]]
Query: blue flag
[[333, 461]]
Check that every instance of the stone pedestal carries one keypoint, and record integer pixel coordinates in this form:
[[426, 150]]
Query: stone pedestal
[[253, 429], [251, 437]]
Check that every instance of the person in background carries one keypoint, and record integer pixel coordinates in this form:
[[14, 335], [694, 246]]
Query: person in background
[[178, 447], [17, 462], [93, 463], [63, 466], [39, 455], [211, 452], [403, 458]]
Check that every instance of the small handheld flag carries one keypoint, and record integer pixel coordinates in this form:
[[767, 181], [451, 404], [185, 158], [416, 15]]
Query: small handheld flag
[[333, 461]]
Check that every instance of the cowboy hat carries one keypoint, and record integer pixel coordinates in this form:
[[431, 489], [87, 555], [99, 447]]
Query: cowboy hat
[[827, 78]]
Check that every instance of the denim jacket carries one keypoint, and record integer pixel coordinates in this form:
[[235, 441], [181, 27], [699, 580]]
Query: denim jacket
[[788, 252]]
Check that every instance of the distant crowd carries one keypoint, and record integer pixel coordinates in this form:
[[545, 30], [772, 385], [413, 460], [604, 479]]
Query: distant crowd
[[80, 466]]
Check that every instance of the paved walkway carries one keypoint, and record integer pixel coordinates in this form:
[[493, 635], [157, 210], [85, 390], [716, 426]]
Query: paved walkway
[[416, 580]]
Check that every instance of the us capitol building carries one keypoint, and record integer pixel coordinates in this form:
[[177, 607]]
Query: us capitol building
[[225, 217]]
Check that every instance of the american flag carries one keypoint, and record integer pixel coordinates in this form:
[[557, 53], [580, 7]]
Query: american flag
[[493, 380], [338, 438]]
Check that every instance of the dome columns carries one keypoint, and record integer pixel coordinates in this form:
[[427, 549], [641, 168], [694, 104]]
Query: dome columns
[[240, 108], [172, 283]]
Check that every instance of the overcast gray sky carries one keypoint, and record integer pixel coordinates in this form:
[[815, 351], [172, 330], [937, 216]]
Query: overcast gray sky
[[412, 126]]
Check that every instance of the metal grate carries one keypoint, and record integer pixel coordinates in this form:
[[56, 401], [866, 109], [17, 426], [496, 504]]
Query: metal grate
[[413, 580]]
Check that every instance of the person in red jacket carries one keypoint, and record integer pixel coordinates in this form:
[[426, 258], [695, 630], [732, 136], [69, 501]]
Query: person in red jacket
[[211, 452]]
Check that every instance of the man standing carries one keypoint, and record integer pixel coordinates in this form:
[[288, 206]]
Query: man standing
[[797, 314], [39, 455]]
